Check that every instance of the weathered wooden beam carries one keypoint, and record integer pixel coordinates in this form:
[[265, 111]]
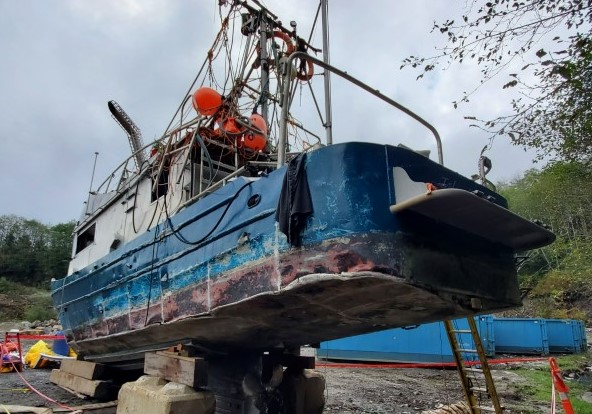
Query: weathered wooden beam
[[99, 408], [84, 369], [22, 409], [190, 371], [93, 388]]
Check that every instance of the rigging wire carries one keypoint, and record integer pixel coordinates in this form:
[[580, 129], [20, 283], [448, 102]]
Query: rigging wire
[[39, 393], [314, 23], [233, 71], [182, 239], [222, 29], [152, 262], [136, 198]]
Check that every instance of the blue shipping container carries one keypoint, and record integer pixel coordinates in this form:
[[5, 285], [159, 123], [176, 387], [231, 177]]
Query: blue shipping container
[[565, 335], [521, 336], [583, 338], [425, 343]]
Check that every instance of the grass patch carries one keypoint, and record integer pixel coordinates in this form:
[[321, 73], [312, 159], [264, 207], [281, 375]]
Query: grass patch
[[573, 362], [20, 302], [7, 287], [41, 310], [538, 382]]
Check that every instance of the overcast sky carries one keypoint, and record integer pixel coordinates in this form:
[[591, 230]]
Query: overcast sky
[[61, 61]]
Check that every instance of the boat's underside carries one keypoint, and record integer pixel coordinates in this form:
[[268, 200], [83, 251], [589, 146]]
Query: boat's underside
[[342, 287]]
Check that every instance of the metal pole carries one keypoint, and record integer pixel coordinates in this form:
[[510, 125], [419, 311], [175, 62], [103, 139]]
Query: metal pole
[[92, 178], [284, 116], [281, 149], [327, 73], [264, 70]]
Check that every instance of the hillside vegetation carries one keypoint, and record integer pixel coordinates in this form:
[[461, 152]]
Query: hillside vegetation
[[31, 254], [557, 277]]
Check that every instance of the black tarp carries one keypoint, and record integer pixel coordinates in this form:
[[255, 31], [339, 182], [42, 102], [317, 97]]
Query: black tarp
[[295, 204]]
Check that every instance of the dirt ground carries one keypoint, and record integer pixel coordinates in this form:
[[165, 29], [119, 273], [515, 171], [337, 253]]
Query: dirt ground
[[14, 391], [348, 391], [395, 390]]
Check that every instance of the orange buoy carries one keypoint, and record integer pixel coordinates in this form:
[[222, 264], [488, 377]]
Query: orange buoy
[[254, 140], [231, 127], [206, 101]]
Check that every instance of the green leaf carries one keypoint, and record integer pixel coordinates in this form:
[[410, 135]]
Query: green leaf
[[510, 84]]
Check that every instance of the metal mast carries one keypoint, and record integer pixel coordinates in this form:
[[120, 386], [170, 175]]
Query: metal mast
[[264, 68], [327, 73]]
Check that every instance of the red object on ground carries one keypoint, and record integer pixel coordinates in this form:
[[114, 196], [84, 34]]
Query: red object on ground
[[6, 360], [562, 389], [12, 343]]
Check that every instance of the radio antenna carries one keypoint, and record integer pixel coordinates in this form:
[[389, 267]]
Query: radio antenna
[[92, 178]]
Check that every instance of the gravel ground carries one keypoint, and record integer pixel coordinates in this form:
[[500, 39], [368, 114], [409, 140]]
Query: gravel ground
[[14, 391], [349, 390], [397, 390], [389, 390]]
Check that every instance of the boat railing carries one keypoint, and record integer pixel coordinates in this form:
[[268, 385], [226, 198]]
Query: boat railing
[[283, 136], [124, 177], [123, 173]]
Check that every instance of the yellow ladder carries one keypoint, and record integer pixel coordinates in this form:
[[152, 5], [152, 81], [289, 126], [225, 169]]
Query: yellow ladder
[[477, 382]]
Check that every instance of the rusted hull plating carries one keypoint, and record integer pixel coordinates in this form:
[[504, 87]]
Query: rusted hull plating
[[343, 287]]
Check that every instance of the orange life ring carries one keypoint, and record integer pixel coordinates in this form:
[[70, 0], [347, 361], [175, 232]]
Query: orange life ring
[[287, 40], [280, 35], [306, 76]]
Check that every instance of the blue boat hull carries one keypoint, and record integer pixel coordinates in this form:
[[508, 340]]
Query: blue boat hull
[[221, 275]]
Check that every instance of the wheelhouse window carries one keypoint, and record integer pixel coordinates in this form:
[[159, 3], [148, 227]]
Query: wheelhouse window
[[85, 238]]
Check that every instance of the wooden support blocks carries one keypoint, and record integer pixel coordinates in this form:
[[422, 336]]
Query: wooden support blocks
[[101, 390], [190, 371], [84, 377], [84, 369]]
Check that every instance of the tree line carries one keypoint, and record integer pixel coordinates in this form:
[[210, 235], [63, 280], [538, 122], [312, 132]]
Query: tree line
[[560, 196], [32, 253]]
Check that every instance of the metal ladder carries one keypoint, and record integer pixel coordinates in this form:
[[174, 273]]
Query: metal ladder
[[477, 382]]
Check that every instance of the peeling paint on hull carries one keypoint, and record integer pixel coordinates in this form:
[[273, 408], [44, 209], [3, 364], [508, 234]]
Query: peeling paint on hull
[[329, 291], [360, 268]]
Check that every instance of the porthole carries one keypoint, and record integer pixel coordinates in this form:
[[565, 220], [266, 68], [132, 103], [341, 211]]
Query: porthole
[[253, 200]]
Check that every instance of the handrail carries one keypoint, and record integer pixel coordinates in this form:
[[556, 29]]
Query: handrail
[[283, 139], [107, 182]]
